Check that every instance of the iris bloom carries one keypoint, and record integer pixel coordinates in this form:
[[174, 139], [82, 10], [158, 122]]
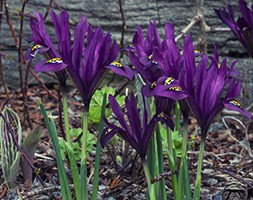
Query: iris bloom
[[132, 127], [157, 62], [85, 58], [242, 27], [43, 44], [210, 88]]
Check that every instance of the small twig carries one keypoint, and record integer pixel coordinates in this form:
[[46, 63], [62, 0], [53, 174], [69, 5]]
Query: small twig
[[48, 9], [232, 175], [42, 156], [142, 188], [9, 22], [1, 67], [207, 154], [23, 85], [3, 193], [196, 19], [40, 191], [247, 146], [138, 182], [123, 27]]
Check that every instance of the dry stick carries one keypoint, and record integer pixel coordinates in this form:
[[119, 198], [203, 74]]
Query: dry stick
[[20, 60], [247, 146], [19, 147], [14, 36], [48, 9], [232, 175], [196, 19], [1, 66], [165, 175], [20, 52], [48, 92], [123, 27], [203, 26], [45, 190], [138, 181]]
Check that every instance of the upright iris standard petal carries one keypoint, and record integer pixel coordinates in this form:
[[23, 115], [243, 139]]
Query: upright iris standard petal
[[135, 130], [243, 26], [210, 87]]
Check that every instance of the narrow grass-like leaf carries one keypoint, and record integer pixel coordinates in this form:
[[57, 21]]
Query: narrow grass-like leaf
[[65, 190], [98, 151], [74, 170], [162, 188]]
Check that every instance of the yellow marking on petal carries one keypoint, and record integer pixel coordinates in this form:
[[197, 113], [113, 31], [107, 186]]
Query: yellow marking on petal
[[107, 130], [153, 85], [235, 103], [131, 45], [178, 89], [218, 65], [55, 60], [154, 62], [196, 51], [35, 50], [116, 64], [35, 47], [150, 57], [169, 80], [162, 116]]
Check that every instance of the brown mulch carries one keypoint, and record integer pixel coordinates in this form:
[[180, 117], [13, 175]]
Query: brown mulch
[[227, 167]]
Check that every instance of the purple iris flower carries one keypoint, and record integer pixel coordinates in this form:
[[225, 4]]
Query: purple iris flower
[[242, 27], [132, 127], [210, 87], [43, 44], [85, 58], [157, 61]]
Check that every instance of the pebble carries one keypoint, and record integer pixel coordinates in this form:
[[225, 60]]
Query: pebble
[[212, 181]]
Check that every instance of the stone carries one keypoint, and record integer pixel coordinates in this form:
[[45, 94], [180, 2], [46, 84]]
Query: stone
[[136, 12]]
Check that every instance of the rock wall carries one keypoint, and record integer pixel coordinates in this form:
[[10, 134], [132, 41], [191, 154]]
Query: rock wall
[[136, 12]]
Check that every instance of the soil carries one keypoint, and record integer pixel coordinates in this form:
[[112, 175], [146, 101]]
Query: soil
[[227, 171]]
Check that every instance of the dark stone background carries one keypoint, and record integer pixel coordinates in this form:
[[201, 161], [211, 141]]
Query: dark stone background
[[106, 14]]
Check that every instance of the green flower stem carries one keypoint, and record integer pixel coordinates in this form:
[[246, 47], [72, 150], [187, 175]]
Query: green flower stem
[[83, 170], [151, 188], [177, 116], [184, 163], [200, 161], [65, 115], [160, 163], [151, 157], [172, 163], [98, 151]]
